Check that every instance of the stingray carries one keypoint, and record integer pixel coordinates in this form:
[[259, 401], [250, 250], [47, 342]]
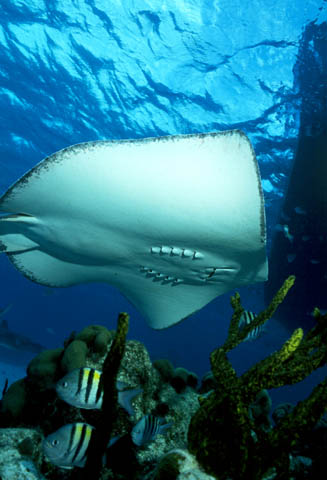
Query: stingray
[[172, 222]]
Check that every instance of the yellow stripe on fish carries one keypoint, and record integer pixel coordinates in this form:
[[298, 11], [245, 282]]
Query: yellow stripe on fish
[[67, 447], [82, 388]]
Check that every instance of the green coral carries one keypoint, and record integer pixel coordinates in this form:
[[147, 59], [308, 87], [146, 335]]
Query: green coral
[[43, 370], [179, 378], [97, 338], [224, 437], [165, 368], [74, 356], [14, 400]]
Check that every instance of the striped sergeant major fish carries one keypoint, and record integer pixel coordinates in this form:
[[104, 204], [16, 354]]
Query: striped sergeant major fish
[[67, 447], [148, 428], [82, 388], [246, 318]]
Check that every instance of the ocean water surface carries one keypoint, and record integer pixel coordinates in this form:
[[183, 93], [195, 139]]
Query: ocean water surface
[[81, 70]]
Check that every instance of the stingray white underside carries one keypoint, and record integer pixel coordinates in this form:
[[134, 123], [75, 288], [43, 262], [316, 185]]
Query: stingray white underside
[[172, 222]]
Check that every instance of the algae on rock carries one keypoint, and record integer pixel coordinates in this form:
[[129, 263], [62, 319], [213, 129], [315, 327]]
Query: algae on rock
[[222, 434]]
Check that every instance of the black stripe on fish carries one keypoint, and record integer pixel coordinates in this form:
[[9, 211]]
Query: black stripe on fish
[[89, 385], [80, 381], [148, 428], [153, 427], [255, 333], [81, 441], [99, 390], [71, 439], [248, 316]]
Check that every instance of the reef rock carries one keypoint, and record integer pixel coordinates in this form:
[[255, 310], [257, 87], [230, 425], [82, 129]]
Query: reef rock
[[17, 462]]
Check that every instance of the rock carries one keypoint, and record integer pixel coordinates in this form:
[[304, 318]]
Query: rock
[[165, 368], [13, 464], [182, 378], [179, 464]]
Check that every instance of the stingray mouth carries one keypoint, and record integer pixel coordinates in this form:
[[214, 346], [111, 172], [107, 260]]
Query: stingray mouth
[[217, 274], [210, 274]]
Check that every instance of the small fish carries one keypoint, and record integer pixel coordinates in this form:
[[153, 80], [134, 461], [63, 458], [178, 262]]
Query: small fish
[[148, 428], [287, 233], [81, 388], [300, 211], [291, 257], [67, 447], [50, 330], [314, 261], [285, 229], [246, 318], [285, 217]]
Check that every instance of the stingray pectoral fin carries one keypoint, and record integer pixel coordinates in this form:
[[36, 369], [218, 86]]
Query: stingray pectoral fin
[[31, 251], [13, 233], [166, 305], [45, 269]]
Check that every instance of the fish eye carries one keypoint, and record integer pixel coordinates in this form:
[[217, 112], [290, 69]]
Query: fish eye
[[54, 442], [64, 384]]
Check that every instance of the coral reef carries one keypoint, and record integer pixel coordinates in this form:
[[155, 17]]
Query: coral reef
[[226, 425], [20, 454], [165, 368], [179, 464], [31, 400], [225, 439], [208, 383], [14, 400], [182, 378], [259, 410], [74, 355], [35, 404], [179, 378], [96, 338]]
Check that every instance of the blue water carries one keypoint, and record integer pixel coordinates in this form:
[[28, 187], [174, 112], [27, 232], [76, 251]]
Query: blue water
[[90, 69]]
